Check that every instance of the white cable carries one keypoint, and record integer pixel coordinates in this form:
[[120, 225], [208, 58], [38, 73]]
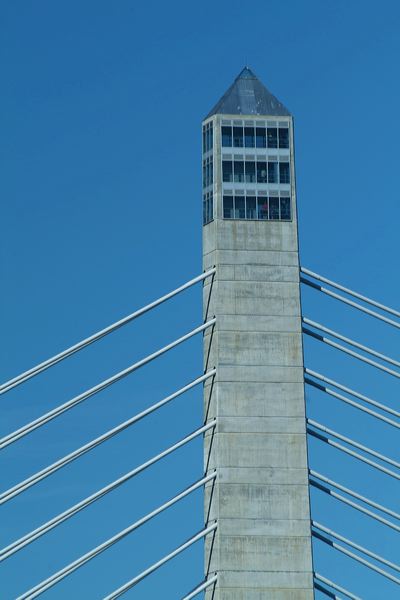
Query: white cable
[[76, 564], [22, 431], [8, 385]]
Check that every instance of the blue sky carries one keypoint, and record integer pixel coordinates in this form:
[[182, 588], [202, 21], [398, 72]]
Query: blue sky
[[101, 107]]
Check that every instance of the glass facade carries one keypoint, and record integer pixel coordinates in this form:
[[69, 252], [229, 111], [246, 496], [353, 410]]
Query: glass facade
[[266, 208], [259, 171], [254, 136], [254, 170], [208, 173], [208, 208]]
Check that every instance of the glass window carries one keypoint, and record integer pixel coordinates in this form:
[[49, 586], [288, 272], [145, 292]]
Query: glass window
[[238, 137], [262, 208], [283, 137], [228, 207], [262, 172], [261, 138], [239, 170], [251, 207], [239, 207], [204, 140], [250, 167], [284, 174], [272, 172], [249, 137], [204, 212], [285, 209], [210, 137], [227, 136], [204, 174], [210, 208], [274, 209], [227, 170], [272, 137]]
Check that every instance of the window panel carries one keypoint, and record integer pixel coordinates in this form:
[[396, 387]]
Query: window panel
[[284, 173], [272, 172], [238, 170], [239, 207], [227, 170], [238, 137], [228, 207], [272, 135], [251, 212], [210, 137], [250, 167], [283, 137], [285, 209], [262, 172], [227, 136], [274, 209], [204, 140], [261, 138], [262, 208], [249, 137], [210, 208]]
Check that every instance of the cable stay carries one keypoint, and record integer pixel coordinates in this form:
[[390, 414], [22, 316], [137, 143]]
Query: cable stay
[[358, 507], [52, 414], [73, 510], [357, 547], [356, 455], [8, 385], [351, 342], [361, 357], [368, 411], [201, 587], [354, 494], [335, 586], [82, 560], [65, 460], [130, 584], [366, 399], [353, 294], [351, 442]]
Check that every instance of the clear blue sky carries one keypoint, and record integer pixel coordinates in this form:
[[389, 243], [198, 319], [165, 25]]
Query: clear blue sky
[[101, 106]]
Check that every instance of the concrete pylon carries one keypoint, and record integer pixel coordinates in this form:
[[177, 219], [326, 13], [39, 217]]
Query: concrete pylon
[[262, 546]]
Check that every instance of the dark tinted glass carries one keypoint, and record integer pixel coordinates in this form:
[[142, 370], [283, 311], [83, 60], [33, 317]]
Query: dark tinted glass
[[274, 208], [239, 207], [262, 172], [250, 168], [285, 209], [251, 208], [272, 137], [227, 170], [283, 137], [273, 172], [284, 174], [227, 136], [261, 137], [262, 208], [228, 207], [249, 137], [238, 137], [238, 170]]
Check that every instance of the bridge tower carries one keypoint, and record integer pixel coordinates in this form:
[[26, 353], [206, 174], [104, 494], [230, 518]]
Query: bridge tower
[[262, 546]]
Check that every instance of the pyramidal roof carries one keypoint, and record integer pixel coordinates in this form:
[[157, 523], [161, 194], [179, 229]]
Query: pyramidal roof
[[248, 96]]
